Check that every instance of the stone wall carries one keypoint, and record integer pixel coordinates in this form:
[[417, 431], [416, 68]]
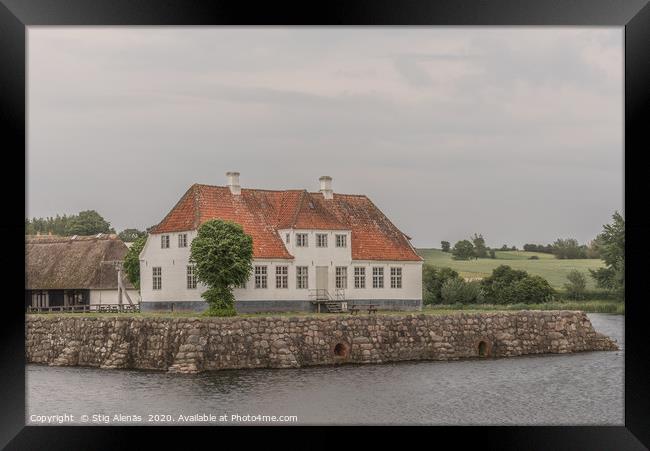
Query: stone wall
[[189, 345]]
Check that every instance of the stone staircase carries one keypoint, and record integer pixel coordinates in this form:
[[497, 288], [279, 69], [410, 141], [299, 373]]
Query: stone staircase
[[333, 306]]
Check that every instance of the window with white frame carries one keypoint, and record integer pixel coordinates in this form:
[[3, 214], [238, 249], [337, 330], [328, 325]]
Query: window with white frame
[[156, 271], [241, 285], [359, 277], [191, 277], [378, 277], [396, 277], [341, 277], [302, 277], [260, 277], [301, 239], [164, 241], [341, 241], [281, 277], [321, 240], [182, 240]]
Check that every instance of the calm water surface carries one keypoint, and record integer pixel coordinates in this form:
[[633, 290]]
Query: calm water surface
[[584, 388]]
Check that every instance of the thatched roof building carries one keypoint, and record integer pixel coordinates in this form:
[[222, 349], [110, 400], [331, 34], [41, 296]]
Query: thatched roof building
[[61, 263]]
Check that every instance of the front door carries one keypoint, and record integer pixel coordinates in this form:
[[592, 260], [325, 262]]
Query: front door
[[321, 281]]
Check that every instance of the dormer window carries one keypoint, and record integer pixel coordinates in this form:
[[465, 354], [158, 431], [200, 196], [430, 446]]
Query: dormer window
[[341, 241], [182, 240], [301, 240], [164, 241], [321, 240]]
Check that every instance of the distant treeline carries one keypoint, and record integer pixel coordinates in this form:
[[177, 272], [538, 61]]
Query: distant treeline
[[566, 248], [87, 222], [562, 248]]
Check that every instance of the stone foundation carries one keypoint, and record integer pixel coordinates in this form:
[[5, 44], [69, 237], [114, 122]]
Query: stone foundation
[[189, 345]]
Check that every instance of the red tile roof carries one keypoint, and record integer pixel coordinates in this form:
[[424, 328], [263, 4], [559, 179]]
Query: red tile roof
[[263, 212]]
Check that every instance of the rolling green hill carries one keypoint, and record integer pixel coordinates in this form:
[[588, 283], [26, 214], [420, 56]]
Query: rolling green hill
[[548, 267]]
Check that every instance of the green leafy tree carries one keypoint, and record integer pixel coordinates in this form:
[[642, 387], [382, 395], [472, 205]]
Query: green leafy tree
[[222, 253], [530, 290], [130, 235], [593, 251], [432, 280], [576, 284], [568, 248], [480, 251], [445, 246], [502, 277], [88, 222], [458, 291], [510, 286], [463, 250], [132, 261], [611, 245]]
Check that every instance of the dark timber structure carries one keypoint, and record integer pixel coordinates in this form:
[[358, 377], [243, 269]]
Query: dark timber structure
[[64, 272]]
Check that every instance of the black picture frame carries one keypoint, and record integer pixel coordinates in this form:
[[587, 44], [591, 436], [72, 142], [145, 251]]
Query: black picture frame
[[634, 15]]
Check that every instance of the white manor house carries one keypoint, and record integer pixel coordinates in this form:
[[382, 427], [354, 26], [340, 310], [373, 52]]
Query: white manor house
[[310, 251]]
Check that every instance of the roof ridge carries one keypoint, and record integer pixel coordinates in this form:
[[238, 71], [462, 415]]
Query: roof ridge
[[76, 238], [341, 194], [289, 190]]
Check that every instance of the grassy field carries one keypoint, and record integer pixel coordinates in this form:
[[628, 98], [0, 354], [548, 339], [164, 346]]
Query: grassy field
[[548, 267], [600, 306]]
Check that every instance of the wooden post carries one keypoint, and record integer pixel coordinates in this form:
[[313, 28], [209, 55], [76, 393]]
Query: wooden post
[[121, 287]]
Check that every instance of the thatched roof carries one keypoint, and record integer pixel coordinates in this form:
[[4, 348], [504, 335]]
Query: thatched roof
[[55, 262]]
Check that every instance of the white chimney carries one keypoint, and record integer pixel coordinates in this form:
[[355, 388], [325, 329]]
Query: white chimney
[[326, 187], [233, 182]]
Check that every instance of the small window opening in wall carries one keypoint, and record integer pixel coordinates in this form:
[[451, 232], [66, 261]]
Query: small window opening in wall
[[341, 350], [482, 349]]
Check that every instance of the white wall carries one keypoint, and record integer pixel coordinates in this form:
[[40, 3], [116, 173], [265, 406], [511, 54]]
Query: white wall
[[174, 260], [110, 297], [318, 256]]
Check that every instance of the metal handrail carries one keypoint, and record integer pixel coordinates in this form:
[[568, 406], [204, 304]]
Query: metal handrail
[[320, 294]]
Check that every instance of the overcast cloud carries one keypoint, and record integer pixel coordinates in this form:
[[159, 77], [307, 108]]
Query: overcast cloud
[[515, 133]]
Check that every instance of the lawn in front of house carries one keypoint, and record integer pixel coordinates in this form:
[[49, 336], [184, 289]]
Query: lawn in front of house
[[597, 306], [448, 310]]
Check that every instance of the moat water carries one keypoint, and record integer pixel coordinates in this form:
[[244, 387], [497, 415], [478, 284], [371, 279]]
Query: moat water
[[582, 388]]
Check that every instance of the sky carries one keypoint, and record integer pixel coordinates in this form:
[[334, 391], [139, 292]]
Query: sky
[[515, 133]]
